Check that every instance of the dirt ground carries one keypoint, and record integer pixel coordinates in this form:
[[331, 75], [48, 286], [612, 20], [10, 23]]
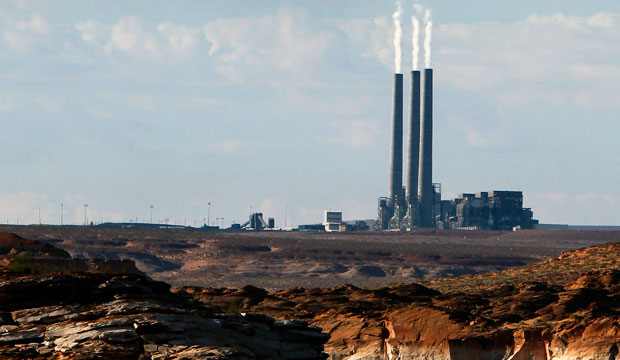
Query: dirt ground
[[277, 260]]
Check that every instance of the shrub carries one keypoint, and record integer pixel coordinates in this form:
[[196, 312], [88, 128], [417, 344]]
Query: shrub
[[24, 264], [233, 307]]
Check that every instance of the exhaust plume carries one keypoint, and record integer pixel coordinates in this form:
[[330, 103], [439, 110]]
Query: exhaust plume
[[428, 23], [414, 40], [398, 33]]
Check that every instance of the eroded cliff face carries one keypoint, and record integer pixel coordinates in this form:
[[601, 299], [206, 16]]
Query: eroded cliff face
[[564, 308], [105, 316], [52, 308]]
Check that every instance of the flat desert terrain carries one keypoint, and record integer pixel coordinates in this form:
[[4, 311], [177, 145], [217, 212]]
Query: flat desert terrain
[[279, 260]]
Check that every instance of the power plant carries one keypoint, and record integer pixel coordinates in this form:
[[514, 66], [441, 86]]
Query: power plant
[[419, 203], [411, 206]]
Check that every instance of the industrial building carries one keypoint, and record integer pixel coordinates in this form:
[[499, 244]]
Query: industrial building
[[257, 223], [496, 210], [332, 220], [419, 204]]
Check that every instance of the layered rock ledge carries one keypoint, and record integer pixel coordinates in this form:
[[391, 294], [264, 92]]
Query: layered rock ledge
[[102, 316], [51, 309]]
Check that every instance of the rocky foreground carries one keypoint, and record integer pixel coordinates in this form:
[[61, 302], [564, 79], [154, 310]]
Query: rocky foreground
[[79, 315], [567, 307]]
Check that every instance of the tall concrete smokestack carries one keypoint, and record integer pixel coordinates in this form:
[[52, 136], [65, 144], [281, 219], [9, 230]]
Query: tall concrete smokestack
[[425, 177], [413, 155], [396, 160]]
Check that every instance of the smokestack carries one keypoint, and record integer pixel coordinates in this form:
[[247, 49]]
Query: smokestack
[[396, 160], [425, 176], [413, 155]]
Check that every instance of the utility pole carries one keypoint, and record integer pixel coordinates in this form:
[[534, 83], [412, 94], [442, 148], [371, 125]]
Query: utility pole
[[85, 221], [39, 215], [62, 209]]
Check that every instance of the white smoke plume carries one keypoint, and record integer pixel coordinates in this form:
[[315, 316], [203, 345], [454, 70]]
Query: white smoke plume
[[428, 23], [398, 34], [415, 39]]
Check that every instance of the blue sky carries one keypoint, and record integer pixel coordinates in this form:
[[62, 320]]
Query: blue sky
[[268, 104]]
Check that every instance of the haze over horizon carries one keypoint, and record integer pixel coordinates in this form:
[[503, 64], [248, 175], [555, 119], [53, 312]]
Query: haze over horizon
[[122, 105]]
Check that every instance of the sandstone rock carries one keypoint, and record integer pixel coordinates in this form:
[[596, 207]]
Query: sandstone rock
[[130, 317], [46, 314], [12, 244], [21, 336], [546, 311]]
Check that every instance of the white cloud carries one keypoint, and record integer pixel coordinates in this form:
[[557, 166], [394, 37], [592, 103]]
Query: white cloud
[[36, 25], [484, 139], [356, 133], [609, 199], [602, 20], [23, 35], [555, 58], [310, 215], [93, 32], [12, 101], [179, 38], [273, 208], [130, 37], [22, 207], [71, 55], [75, 212], [456, 31], [372, 38], [584, 197], [287, 40]]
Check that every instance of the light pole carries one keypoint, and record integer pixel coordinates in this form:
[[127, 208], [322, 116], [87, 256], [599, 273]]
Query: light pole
[[209, 214], [85, 206], [151, 206], [222, 222]]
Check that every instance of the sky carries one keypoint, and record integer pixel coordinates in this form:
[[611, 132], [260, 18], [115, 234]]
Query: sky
[[284, 107]]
